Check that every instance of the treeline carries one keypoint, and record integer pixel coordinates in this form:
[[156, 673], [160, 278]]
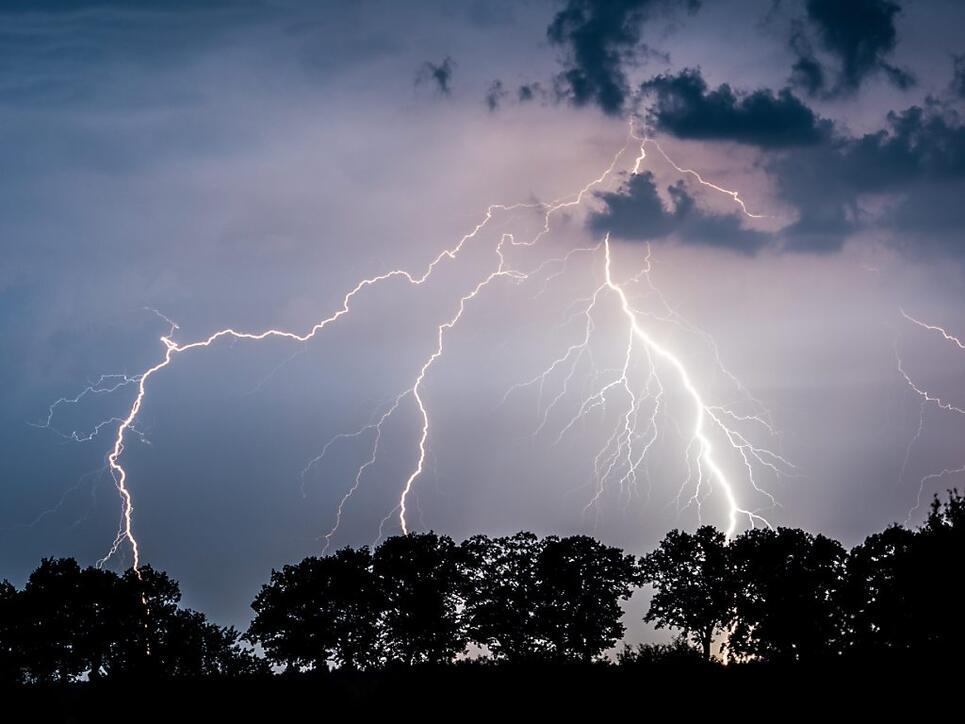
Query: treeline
[[780, 596], [70, 622]]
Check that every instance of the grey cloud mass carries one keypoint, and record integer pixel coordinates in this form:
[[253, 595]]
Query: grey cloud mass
[[918, 159], [598, 39], [495, 95], [438, 75], [958, 75], [637, 213], [685, 107], [858, 36]]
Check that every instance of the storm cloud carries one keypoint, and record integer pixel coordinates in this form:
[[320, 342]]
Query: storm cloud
[[903, 178], [958, 75], [685, 107], [857, 36], [915, 163], [637, 213], [599, 38]]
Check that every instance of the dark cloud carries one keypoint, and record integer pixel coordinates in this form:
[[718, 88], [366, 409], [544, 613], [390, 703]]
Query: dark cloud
[[599, 38], [958, 75], [530, 92], [495, 95], [806, 73], [920, 143], [684, 106], [438, 75], [637, 213], [906, 179], [918, 161], [498, 94], [858, 35]]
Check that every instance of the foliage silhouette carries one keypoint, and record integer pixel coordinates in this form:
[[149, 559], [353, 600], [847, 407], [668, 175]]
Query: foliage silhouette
[[679, 653], [694, 585], [11, 659], [69, 622], [319, 610], [939, 599], [581, 584], [904, 588], [539, 607], [787, 606], [64, 615], [421, 576], [530, 599], [501, 595], [878, 598]]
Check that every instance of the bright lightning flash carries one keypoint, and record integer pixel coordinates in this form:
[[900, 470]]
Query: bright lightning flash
[[625, 451]]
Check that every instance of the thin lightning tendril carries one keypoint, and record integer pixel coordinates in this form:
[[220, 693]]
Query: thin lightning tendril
[[647, 141], [927, 398], [625, 451]]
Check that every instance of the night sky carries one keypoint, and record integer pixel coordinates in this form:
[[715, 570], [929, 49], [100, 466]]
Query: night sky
[[245, 164]]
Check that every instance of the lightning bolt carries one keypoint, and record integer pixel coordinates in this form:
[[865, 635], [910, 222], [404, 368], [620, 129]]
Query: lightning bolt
[[619, 449], [933, 328], [702, 412], [927, 398], [628, 444], [104, 385], [648, 141]]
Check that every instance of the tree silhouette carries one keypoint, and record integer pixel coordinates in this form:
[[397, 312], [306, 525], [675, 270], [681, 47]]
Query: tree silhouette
[[783, 596], [879, 591], [154, 637], [70, 622], [56, 615], [581, 582], [421, 575], [937, 600], [693, 584], [142, 608], [11, 656], [788, 598], [192, 647], [502, 594], [319, 610], [900, 592]]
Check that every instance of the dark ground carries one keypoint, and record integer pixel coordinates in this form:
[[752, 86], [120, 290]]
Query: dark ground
[[501, 693]]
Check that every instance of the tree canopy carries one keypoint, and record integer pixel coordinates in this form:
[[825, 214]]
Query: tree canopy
[[693, 584], [69, 622], [780, 596], [321, 610]]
